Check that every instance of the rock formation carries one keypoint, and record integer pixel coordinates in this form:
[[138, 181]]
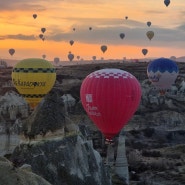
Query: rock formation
[[11, 175], [70, 160]]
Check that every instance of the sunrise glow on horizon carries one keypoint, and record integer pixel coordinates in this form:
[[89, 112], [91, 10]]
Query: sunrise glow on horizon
[[90, 25]]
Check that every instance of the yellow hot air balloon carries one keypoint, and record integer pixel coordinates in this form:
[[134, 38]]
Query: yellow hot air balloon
[[33, 78]]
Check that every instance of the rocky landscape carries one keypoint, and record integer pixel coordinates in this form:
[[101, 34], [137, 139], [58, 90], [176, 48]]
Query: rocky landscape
[[63, 146]]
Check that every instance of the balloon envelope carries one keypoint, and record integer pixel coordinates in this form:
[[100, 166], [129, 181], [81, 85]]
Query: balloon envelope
[[144, 51], [94, 57], [104, 48], [166, 2], [43, 30], [122, 35], [148, 23], [162, 73], [71, 42], [150, 34], [33, 78], [110, 98], [70, 56], [11, 51], [41, 36], [34, 16]]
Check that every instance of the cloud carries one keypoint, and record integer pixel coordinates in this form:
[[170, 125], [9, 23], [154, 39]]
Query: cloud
[[107, 31], [181, 27], [23, 5], [18, 37], [104, 30], [133, 36]]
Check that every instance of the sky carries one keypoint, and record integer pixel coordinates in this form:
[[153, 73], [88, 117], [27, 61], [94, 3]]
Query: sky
[[91, 24]]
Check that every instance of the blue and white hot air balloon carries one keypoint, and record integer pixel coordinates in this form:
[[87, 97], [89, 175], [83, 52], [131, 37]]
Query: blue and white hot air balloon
[[162, 73]]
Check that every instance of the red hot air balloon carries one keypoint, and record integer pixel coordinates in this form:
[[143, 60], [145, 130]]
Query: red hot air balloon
[[110, 97]]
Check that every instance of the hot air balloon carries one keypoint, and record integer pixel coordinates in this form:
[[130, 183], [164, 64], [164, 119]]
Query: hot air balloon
[[150, 34], [78, 57], [43, 56], [126, 17], [122, 35], [144, 51], [166, 2], [11, 51], [70, 57], [148, 23], [162, 73], [94, 57], [41, 36], [33, 78], [90, 28], [34, 16], [110, 97], [103, 48], [43, 30], [56, 60], [71, 42]]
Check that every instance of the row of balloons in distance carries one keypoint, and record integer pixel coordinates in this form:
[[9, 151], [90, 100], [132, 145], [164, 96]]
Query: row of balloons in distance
[[70, 55], [109, 96]]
